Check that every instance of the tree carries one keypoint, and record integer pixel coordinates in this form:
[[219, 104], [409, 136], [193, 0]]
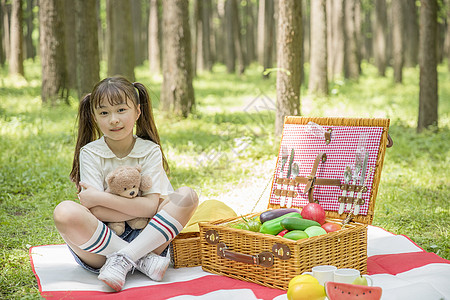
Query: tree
[[379, 40], [6, 12], [16, 53], [51, 50], [337, 37], [136, 12], [70, 43], [411, 53], [266, 35], [120, 39], [153, 38], [30, 49], [233, 38], [250, 31], [201, 45], [397, 39], [177, 93], [318, 80], [289, 61], [351, 61], [447, 39], [428, 94], [87, 51]]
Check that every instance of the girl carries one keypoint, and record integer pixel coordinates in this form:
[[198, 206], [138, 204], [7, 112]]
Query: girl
[[105, 141]]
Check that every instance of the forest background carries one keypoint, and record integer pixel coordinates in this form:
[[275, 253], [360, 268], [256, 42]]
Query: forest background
[[222, 75]]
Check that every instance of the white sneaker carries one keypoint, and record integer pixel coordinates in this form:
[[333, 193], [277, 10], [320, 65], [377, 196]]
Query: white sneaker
[[154, 266], [115, 270]]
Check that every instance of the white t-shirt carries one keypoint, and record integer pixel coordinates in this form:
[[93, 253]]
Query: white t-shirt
[[97, 161]]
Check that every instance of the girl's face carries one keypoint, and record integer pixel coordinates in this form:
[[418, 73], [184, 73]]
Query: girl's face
[[117, 121]]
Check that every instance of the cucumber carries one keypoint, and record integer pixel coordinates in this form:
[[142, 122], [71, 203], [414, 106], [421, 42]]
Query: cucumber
[[297, 223], [274, 226], [275, 213], [296, 235]]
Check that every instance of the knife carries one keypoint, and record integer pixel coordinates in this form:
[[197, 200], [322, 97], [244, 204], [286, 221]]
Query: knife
[[362, 181], [290, 164], [291, 159]]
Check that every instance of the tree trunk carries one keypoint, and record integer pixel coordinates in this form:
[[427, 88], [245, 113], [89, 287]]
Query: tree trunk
[[250, 32], [206, 34], [220, 33], [88, 57], [351, 67], [318, 77], [448, 35], [428, 94], [379, 39], [2, 34], [289, 61], [237, 37], [16, 54], [177, 94], [120, 40], [397, 39], [202, 43], [338, 38], [51, 50], [412, 34], [30, 49], [136, 13], [229, 38], [367, 34], [6, 11], [306, 33], [265, 34], [70, 43], [153, 38]]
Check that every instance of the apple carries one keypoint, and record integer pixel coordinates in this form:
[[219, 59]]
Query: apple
[[330, 227], [361, 280], [315, 212]]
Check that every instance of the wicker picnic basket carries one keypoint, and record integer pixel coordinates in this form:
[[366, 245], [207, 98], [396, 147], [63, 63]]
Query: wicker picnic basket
[[185, 250], [323, 148]]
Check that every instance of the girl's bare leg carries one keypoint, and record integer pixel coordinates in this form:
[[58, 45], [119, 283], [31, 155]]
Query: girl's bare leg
[[77, 224]]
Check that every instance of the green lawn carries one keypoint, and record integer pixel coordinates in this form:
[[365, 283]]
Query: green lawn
[[230, 132]]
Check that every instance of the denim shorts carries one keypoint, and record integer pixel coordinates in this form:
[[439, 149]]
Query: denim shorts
[[128, 235]]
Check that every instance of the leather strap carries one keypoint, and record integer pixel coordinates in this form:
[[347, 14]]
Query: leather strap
[[312, 180], [264, 259]]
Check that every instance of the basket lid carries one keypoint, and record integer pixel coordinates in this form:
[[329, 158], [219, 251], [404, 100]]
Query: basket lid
[[316, 152]]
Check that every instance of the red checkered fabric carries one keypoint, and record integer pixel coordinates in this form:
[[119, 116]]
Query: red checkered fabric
[[340, 153]]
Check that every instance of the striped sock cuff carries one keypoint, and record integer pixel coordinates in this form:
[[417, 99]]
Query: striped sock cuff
[[99, 240], [168, 226]]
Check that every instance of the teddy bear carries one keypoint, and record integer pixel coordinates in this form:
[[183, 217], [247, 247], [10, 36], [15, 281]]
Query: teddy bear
[[128, 182]]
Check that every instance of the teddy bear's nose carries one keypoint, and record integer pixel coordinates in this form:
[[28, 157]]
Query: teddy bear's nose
[[132, 193]]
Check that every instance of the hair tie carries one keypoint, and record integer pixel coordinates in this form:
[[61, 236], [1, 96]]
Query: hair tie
[[137, 92]]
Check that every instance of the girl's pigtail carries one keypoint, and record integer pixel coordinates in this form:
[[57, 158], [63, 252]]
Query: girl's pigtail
[[145, 125], [87, 132]]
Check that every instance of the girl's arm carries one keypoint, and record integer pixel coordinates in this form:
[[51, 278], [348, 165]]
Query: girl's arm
[[145, 206]]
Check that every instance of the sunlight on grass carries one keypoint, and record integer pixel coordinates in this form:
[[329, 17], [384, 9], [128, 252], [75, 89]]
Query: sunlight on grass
[[227, 142]]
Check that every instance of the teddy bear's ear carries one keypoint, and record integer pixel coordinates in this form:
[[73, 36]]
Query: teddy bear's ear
[[139, 168], [110, 178], [146, 183]]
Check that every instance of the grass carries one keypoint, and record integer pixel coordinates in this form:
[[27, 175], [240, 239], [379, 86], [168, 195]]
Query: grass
[[216, 148]]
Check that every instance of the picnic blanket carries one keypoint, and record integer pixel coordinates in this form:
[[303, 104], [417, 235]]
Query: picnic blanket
[[397, 264]]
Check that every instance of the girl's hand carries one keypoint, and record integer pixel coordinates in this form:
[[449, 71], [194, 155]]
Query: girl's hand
[[88, 196]]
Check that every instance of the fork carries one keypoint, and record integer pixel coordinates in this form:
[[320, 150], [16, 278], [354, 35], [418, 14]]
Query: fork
[[358, 166], [284, 158]]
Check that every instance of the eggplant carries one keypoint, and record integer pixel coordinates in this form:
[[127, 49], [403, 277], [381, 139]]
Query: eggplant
[[275, 213]]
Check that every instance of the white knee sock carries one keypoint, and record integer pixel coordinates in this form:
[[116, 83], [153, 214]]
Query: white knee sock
[[162, 228], [104, 241]]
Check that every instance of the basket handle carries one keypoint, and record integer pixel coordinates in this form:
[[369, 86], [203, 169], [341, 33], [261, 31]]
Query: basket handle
[[263, 259]]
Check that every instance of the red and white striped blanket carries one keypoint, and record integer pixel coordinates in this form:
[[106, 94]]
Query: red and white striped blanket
[[397, 264]]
